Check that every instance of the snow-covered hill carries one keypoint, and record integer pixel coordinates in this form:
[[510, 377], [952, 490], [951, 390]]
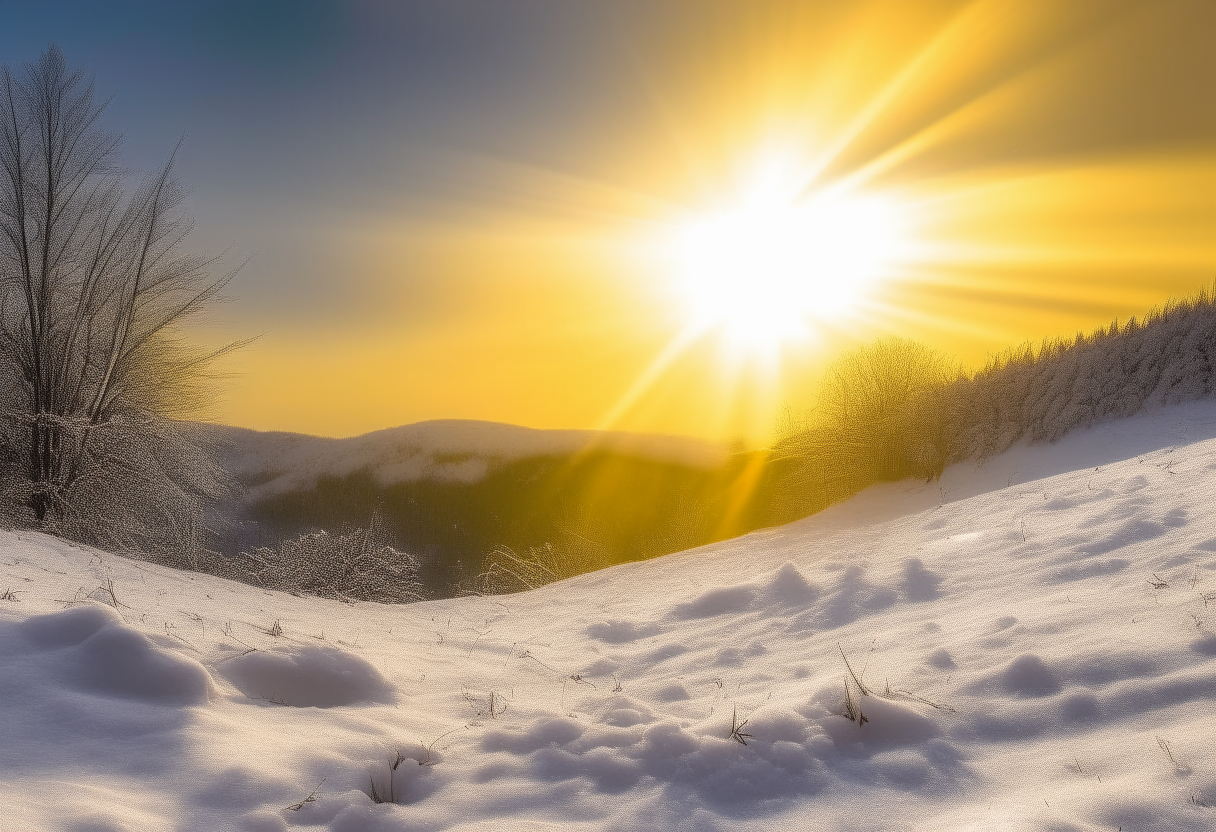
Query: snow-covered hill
[[446, 450], [1034, 637]]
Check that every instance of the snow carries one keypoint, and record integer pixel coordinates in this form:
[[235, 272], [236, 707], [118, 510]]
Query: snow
[[446, 450], [1036, 635]]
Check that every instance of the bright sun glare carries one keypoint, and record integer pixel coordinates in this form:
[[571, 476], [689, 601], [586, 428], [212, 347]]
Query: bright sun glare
[[769, 268]]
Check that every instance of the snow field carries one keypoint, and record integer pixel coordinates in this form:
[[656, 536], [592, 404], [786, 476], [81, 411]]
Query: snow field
[[1036, 635]]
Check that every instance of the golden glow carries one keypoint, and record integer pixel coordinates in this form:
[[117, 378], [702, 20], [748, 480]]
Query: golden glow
[[763, 272], [968, 174]]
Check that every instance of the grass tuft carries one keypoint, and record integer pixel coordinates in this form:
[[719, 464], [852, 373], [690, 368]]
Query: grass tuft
[[852, 706], [865, 691], [736, 727], [312, 798], [106, 595], [391, 796]]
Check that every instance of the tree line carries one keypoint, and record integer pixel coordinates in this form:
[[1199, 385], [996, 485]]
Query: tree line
[[895, 408]]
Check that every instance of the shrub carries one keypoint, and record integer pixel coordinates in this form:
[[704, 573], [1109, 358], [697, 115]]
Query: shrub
[[358, 565], [507, 572], [881, 414], [1040, 394]]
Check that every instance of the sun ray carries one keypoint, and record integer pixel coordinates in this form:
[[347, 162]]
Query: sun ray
[[881, 102], [649, 376]]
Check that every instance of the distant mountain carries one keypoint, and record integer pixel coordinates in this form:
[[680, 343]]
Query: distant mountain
[[453, 491], [441, 450]]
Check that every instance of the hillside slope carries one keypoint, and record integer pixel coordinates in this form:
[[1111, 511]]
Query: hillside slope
[[1031, 642]]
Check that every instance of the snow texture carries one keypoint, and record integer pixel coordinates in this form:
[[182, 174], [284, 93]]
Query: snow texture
[[1037, 636]]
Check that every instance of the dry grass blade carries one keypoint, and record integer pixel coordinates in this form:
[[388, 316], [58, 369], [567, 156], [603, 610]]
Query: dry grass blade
[[527, 654], [1164, 745], [106, 595], [428, 750], [497, 705], [391, 797], [493, 706], [898, 693], [856, 679], [312, 798], [579, 679], [852, 708], [736, 728], [392, 775]]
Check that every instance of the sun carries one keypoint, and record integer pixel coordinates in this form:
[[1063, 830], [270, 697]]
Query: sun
[[775, 265]]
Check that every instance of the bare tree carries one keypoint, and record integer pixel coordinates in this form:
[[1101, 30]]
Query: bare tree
[[882, 414], [94, 288]]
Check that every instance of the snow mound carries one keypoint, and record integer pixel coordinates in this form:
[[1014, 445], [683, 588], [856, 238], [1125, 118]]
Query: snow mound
[[888, 722], [617, 631], [1029, 675], [715, 602], [789, 588], [786, 587], [69, 627], [920, 584], [308, 677], [90, 649]]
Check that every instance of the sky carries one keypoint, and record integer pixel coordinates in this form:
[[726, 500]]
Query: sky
[[666, 215]]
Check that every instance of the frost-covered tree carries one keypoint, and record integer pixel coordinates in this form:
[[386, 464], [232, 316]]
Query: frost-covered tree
[[1040, 394], [94, 289], [881, 415], [895, 409]]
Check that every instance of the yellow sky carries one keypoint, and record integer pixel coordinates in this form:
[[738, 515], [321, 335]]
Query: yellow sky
[[1052, 165]]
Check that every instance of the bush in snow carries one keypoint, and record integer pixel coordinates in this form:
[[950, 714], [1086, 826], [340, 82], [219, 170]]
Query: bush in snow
[[358, 565], [507, 571], [881, 415]]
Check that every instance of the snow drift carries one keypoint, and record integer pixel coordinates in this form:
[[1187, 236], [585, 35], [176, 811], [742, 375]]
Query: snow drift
[[1030, 641]]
